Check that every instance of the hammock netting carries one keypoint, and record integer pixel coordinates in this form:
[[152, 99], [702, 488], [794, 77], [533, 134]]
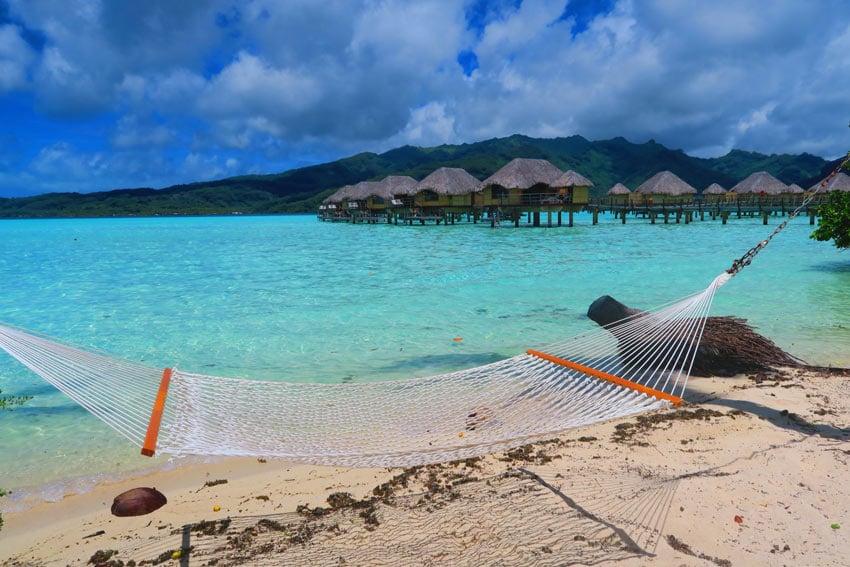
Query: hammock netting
[[635, 365]]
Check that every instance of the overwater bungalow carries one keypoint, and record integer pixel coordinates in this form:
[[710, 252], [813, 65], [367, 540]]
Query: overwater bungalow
[[332, 206], [522, 181], [715, 193], [758, 187], [357, 198], [619, 194], [841, 182], [445, 194], [531, 186], [573, 188], [399, 190], [665, 187]]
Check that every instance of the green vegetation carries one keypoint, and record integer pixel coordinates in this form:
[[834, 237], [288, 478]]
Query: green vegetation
[[7, 402], [301, 190], [834, 221]]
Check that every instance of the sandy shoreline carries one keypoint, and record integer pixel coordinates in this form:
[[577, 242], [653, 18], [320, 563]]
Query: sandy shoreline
[[753, 471]]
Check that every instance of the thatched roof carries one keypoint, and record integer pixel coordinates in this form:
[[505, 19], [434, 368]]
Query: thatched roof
[[363, 190], [398, 185], [524, 173], [794, 188], [714, 189], [449, 181], [665, 183], [841, 182], [619, 189], [760, 181], [337, 196], [572, 179]]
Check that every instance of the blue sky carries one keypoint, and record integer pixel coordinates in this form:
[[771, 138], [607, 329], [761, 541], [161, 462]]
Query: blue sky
[[104, 94]]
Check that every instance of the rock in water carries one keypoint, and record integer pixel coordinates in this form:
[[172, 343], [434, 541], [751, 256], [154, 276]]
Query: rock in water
[[729, 346], [138, 502]]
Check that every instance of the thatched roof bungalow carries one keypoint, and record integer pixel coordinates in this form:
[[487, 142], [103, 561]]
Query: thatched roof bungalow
[[715, 193], [619, 194], [666, 187], [841, 182], [398, 184], [332, 205], [356, 197], [795, 189], [760, 183], [337, 196], [619, 189], [520, 181], [573, 187], [446, 187], [398, 189]]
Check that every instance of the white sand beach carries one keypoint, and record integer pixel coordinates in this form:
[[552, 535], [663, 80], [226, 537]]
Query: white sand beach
[[752, 471]]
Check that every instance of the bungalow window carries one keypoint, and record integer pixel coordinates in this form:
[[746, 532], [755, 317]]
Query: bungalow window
[[429, 196], [378, 200], [499, 192]]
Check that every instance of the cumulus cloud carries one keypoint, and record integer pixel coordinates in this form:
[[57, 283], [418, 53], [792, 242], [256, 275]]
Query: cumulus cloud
[[134, 132], [211, 87], [15, 58]]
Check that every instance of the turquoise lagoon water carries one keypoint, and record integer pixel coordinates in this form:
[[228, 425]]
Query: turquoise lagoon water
[[290, 298]]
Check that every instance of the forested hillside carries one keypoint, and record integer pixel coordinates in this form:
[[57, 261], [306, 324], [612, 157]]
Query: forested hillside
[[300, 190]]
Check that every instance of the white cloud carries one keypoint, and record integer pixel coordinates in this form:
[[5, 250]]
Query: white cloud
[[429, 125], [251, 86], [131, 132], [260, 84], [15, 58]]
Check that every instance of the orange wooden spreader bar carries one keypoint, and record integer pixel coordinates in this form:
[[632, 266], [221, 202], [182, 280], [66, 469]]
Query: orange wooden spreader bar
[[658, 394], [149, 446]]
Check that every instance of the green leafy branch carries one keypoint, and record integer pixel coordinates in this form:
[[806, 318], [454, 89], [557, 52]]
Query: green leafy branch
[[8, 402]]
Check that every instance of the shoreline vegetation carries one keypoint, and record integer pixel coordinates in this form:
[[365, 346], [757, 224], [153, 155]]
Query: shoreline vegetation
[[750, 471], [605, 163]]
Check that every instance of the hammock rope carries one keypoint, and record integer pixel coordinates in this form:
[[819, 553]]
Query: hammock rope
[[641, 364]]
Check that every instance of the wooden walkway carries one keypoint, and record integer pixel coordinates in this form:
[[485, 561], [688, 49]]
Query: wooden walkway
[[551, 216], [688, 212]]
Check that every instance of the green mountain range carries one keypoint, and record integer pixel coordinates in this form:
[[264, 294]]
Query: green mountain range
[[301, 190]]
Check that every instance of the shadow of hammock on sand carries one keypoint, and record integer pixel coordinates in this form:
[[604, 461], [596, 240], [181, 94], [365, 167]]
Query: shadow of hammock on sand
[[544, 515]]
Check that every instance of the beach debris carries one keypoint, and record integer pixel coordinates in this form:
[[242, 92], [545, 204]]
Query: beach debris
[[102, 557], [729, 346], [683, 547], [739, 519], [211, 483], [835, 526], [216, 508], [458, 339], [95, 534], [138, 502]]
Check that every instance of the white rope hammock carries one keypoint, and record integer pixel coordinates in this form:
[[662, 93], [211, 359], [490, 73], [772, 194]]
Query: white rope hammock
[[634, 365], [642, 363]]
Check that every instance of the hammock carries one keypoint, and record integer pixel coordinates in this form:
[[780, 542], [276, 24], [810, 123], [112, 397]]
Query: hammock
[[530, 397], [632, 366]]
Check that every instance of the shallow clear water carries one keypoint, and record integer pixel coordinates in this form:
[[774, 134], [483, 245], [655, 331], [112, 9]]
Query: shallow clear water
[[290, 298]]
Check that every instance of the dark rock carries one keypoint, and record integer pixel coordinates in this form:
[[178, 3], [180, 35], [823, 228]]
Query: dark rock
[[729, 346]]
